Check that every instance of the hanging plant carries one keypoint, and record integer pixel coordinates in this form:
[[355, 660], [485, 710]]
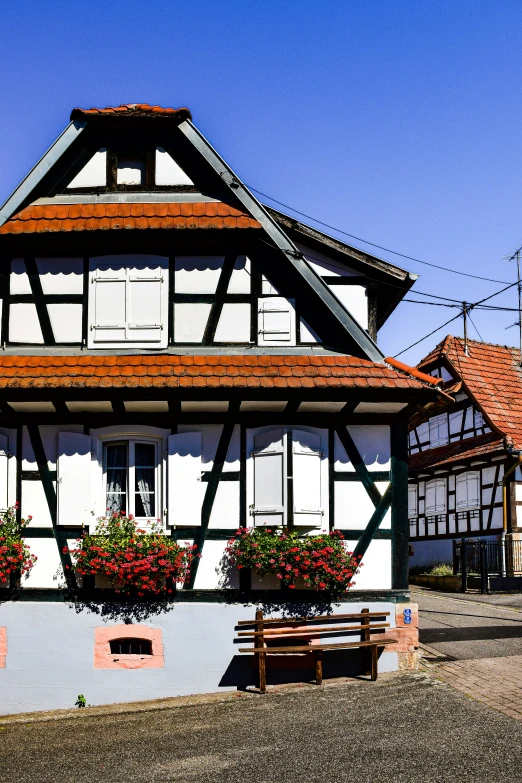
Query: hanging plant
[[15, 555], [322, 561], [136, 561]]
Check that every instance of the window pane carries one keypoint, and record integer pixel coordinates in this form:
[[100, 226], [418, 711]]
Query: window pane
[[116, 468], [144, 497], [131, 171], [144, 455]]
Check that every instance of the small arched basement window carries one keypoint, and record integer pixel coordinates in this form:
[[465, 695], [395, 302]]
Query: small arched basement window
[[131, 646]]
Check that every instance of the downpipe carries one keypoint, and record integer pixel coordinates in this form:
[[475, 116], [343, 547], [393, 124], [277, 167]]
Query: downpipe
[[517, 464]]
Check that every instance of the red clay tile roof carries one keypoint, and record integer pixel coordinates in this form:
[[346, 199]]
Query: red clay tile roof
[[93, 217], [453, 452], [169, 371], [132, 110], [493, 377]]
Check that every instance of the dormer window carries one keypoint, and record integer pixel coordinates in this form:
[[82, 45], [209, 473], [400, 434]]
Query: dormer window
[[131, 170]]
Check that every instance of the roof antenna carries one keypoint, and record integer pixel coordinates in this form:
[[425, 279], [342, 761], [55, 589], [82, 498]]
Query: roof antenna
[[465, 318]]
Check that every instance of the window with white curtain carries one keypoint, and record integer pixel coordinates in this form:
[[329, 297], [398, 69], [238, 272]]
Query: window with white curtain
[[131, 478], [439, 430], [468, 490], [436, 496]]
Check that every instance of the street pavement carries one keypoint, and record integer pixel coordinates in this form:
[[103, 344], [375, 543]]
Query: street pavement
[[474, 643], [408, 728]]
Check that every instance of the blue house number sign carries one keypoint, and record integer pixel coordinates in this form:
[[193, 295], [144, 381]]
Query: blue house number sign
[[407, 616]]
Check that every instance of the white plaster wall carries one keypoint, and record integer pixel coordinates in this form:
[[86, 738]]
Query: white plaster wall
[[190, 320], [376, 569], [11, 465], [50, 655], [323, 264], [34, 503], [24, 326], [355, 299], [234, 324], [19, 281], [66, 322], [168, 172], [197, 274], [210, 575], [49, 436], [210, 434], [93, 174], [61, 275], [240, 281], [225, 511], [373, 444], [47, 571], [353, 507]]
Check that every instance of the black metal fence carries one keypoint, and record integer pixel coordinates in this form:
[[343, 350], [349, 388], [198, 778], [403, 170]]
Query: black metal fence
[[479, 559]]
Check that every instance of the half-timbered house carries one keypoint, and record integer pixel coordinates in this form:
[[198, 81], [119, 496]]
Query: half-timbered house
[[158, 321], [460, 454]]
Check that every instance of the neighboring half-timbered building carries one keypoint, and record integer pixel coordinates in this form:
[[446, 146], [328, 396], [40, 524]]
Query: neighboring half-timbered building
[[172, 348], [460, 454]]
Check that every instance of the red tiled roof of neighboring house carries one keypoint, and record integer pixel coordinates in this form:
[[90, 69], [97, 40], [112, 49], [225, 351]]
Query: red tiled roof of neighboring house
[[170, 371], [453, 452], [53, 218], [492, 375], [132, 110]]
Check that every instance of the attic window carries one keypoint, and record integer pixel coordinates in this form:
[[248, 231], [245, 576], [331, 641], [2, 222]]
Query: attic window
[[131, 170], [131, 646]]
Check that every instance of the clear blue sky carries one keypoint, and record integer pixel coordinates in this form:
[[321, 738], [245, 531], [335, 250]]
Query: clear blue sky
[[396, 121]]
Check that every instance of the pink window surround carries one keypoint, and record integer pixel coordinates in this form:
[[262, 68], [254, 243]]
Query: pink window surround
[[3, 647], [104, 659]]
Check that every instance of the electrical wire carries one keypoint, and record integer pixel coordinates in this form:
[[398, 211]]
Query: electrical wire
[[477, 331], [428, 335], [372, 244]]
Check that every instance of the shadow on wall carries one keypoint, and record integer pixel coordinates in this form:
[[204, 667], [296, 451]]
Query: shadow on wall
[[242, 670], [120, 608]]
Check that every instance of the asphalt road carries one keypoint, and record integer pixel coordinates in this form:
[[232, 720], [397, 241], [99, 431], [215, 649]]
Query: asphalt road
[[466, 627], [401, 729]]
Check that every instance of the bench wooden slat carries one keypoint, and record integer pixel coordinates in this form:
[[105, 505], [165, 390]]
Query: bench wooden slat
[[318, 618], [311, 631], [314, 647]]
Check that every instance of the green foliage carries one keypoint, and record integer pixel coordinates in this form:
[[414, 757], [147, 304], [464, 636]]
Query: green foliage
[[15, 555], [136, 561], [81, 701], [322, 561], [441, 570]]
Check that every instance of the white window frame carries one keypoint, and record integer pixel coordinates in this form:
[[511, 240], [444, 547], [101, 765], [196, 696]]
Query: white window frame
[[466, 478], [105, 435], [413, 489], [256, 519], [127, 262], [435, 424], [131, 442]]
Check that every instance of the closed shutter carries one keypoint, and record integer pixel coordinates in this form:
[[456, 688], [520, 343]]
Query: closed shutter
[[412, 501], [269, 456], [184, 487], [436, 497], [74, 479], [108, 303], [306, 471], [4, 472], [439, 430], [128, 301], [423, 433], [276, 321], [468, 488]]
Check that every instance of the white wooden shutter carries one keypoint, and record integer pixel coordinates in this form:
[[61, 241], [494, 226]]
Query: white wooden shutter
[[412, 501], [74, 479], [4, 461], [276, 321], [107, 296], [468, 488], [436, 496], [145, 315], [306, 472], [439, 430], [423, 433], [184, 486], [269, 456]]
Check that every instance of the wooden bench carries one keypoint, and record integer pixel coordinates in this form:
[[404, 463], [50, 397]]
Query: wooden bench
[[298, 637]]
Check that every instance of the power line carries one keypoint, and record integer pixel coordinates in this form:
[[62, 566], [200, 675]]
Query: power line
[[428, 335], [372, 244]]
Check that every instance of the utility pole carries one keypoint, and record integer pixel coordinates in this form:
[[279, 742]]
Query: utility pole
[[465, 317], [516, 256]]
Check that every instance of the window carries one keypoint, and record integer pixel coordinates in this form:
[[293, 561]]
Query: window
[[288, 462], [131, 646], [130, 471], [468, 490], [128, 301], [438, 430], [412, 500], [130, 170], [436, 497], [478, 419]]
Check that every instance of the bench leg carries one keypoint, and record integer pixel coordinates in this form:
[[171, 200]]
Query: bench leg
[[375, 658], [319, 667], [262, 672], [367, 657]]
